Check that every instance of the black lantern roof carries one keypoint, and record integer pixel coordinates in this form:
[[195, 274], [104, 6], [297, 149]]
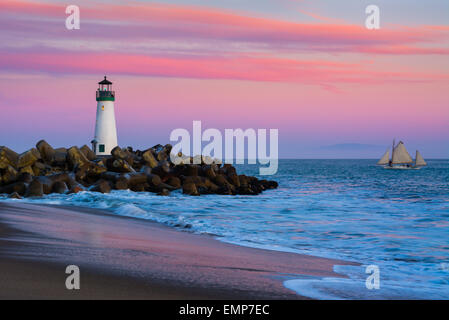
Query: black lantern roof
[[105, 81]]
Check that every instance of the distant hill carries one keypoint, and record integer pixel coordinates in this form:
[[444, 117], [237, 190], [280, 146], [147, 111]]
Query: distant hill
[[353, 147]]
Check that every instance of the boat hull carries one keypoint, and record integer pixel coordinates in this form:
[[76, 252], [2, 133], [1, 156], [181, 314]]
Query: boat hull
[[401, 167]]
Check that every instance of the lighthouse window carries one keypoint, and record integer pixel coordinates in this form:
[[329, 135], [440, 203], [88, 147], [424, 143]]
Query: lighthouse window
[[101, 148]]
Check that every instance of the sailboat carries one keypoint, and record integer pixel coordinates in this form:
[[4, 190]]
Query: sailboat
[[400, 158]]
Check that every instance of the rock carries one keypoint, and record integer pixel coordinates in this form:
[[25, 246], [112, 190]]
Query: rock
[[211, 186], [224, 190], [60, 157], [111, 176], [121, 183], [243, 180], [149, 158], [60, 187], [132, 159], [149, 170], [163, 185], [89, 171], [191, 170], [153, 180], [164, 152], [229, 169], [163, 192], [146, 170], [76, 158], [174, 182], [46, 183], [81, 173], [246, 191], [8, 158], [209, 172], [101, 161], [27, 169], [35, 189], [28, 158], [64, 177], [162, 169], [10, 175], [38, 168], [14, 195], [18, 187], [25, 177], [46, 151], [76, 187], [101, 186], [120, 165], [190, 189], [139, 187], [234, 179], [220, 180], [118, 153], [136, 178], [157, 148], [271, 185], [90, 155]]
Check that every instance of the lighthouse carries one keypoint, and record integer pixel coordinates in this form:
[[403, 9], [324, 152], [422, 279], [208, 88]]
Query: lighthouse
[[105, 131]]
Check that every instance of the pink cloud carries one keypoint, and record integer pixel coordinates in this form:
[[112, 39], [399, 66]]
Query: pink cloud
[[258, 68], [153, 21]]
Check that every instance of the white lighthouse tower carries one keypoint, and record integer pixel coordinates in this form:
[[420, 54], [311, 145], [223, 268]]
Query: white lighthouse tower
[[105, 131]]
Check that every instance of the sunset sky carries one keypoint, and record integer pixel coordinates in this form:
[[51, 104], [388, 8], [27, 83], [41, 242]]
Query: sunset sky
[[308, 68]]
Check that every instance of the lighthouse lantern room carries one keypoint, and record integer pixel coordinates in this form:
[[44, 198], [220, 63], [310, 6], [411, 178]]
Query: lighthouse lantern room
[[105, 130]]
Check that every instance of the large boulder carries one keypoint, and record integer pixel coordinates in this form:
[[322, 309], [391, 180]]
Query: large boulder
[[76, 187], [118, 153], [149, 158], [164, 152], [190, 189], [46, 183], [8, 158], [35, 189], [15, 195], [46, 151], [153, 179], [27, 169], [76, 158], [60, 157], [28, 158], [59, 187], [101, 186], [175, 182], [18, 187], [120, 165], [121, 183], [90, 155], [25, 177], [10, 175], [136, 178]]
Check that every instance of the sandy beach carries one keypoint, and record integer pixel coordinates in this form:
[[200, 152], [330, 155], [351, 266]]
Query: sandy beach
[[127, 258]]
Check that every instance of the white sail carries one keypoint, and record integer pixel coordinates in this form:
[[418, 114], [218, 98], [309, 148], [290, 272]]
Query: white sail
[[401, 155], [385, 158], [419, 160]]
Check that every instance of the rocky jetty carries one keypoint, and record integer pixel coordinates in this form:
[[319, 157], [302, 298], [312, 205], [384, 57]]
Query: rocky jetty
[[44, 170]]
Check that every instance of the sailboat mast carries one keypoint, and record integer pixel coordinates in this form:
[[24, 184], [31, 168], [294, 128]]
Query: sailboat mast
[[392, 152]]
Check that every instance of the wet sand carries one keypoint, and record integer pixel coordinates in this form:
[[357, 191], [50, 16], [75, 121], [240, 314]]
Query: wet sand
[[128, 258]]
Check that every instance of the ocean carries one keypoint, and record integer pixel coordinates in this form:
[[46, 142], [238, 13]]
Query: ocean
[[397, 220]]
